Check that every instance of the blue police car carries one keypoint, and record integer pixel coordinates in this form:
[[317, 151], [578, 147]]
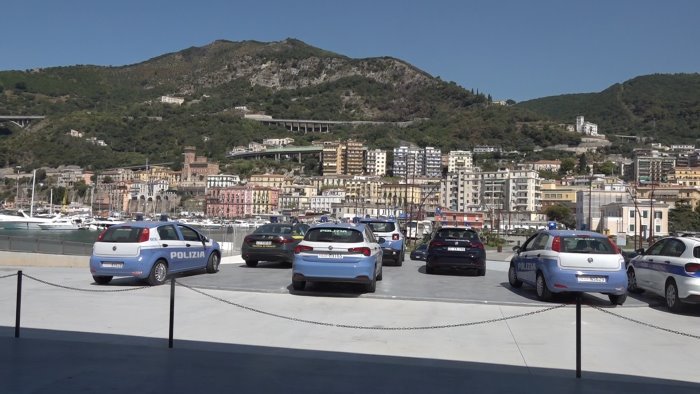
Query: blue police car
[[394, 246], [151, 251]]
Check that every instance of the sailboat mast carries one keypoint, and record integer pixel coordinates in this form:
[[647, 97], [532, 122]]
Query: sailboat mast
[[31, 207]]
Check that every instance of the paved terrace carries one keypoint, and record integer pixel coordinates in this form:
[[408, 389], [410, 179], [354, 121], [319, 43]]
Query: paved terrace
[[86, 338]]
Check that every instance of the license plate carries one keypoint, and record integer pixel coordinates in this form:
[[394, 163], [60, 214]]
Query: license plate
[[112, 265], [263, 243], [455, 249], [330, 256], [592, 279]]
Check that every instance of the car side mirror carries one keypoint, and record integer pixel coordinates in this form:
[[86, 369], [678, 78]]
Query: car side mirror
[[381, 240], [516, 249], [640, 251]]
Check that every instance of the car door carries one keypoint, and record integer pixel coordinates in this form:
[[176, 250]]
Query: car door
[[647, 264], [374, 245], [526, 259], [172, 246], [194, 250], [669, 257]]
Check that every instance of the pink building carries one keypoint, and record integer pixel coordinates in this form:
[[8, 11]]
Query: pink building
[[241, 201]]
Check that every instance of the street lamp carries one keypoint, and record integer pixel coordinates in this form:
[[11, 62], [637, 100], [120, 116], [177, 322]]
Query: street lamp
[[17, 180]]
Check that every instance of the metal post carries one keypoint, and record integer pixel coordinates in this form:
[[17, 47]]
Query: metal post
[[578, 335], [172, 312], [19, 303]]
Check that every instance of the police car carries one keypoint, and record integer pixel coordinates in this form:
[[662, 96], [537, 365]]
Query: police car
[[151, 251], [394, 246]]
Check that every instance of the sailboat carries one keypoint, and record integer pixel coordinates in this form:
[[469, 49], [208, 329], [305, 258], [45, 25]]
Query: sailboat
[[16, 220]]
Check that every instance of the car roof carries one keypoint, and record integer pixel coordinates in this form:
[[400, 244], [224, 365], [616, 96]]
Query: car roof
[[456, 228], [574, 233], [143, 224], [358, 227], [377, 220]]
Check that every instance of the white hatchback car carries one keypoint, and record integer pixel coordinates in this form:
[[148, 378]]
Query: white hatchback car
[[669, 268]]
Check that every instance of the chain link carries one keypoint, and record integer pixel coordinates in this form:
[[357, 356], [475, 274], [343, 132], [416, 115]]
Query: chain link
[[685, 334], [359, 327], [7, 276], [85, 290]]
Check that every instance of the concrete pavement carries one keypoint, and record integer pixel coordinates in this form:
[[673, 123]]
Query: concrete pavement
[[80, 338]]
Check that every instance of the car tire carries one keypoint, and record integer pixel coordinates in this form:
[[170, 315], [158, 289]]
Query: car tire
[[380, 276], [298, 284], [102, 280], [543, 292], [251, 263], [632, 282], [429, 270], [617, 299], [371, 287], [399, 260], [159, 273], [213, 263], [673, 302], [513, 278]]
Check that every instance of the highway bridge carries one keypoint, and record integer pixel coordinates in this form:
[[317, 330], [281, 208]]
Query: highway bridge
[[21, 121], [320, 126], [278, 153]]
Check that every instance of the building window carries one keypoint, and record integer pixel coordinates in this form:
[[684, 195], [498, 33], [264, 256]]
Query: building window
[[631, 213], [658, 215], [631, 228], [645, 214], [657, 228]]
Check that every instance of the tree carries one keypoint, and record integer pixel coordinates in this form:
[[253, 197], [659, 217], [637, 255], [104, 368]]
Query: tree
[[683, 218], [607, 167], [562, 214], [567, 165], [582, 167]]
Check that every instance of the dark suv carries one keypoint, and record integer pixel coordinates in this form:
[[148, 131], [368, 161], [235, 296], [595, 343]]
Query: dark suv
[[456, 248]]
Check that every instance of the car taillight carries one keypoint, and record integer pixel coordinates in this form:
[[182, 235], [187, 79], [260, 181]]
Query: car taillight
[[102, 235], [302, 248], [145, 235], [282, 240], [692, 267], [477, 245], [556, 244], [248, 239], [364, 250], [395, 237], [437, 244]]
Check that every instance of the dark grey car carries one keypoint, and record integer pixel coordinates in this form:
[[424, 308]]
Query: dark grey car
[[272, 242]]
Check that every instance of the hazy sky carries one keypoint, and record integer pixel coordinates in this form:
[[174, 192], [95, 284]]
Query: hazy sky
[[517, 49]]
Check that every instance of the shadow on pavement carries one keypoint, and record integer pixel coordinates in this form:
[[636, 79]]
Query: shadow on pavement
[[47, 361]]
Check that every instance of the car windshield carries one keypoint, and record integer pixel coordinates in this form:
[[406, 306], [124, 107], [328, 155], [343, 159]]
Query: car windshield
[[381, 227], [274, 229], [342, 235], [122, 234], [457, 233], [578, 244]]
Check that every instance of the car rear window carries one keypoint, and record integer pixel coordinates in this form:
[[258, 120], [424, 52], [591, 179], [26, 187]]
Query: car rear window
[[122, 234], [274, 229], [342, 235], [586, 245], [382, 227], [457, 233]]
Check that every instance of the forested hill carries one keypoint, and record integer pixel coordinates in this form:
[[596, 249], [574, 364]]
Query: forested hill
[[665, 107]]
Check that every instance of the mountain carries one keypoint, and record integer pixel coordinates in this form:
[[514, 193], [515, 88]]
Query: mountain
[[665, 107]]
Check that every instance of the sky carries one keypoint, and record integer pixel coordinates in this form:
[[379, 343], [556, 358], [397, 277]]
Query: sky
[[510, 49]]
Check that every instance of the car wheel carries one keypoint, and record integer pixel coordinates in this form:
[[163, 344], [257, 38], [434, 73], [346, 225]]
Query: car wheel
[[158, 274], [298, 284], [380, 276], [102, 280], [513, 277], [371, 287], [400, 259], [543, 292], [617, 299], [673, 302], [632, 281], [213, 263], [251, 263], [429, 269]]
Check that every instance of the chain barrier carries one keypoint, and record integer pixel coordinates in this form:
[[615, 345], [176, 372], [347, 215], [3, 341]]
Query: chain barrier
[[359, 327], [668, 330], [7, 276], [84, 290]]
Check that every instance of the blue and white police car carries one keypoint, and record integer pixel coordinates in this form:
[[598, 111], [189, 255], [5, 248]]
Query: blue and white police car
[[151, 251], [394, 245]]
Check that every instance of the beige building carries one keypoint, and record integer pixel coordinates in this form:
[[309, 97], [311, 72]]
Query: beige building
[[646, 218], [343, 158], [270, 180]]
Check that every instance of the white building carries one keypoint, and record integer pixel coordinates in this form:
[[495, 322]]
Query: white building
[[508, 190], [278, 141], [223, 180], [172, 100], [433, 162], [376, 162], [459, 160], [412, 162], [586, 128], [324, 202]]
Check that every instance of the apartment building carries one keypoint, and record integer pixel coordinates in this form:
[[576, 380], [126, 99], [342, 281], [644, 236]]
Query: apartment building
[[376, 162], [511, 190], [241, 201], [459, 160], [410, 162], [343, 158]]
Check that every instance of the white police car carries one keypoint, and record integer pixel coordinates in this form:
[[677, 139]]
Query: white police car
[[669, 268], [151, 251]]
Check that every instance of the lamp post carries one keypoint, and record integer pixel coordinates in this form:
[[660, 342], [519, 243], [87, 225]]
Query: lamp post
[[17, 181]]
